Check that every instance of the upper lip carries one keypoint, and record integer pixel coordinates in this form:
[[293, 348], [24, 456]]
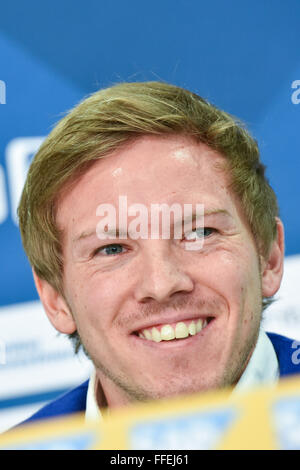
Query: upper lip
[[171, 318]]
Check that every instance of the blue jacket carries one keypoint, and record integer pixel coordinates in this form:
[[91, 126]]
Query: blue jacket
[[75, 400]]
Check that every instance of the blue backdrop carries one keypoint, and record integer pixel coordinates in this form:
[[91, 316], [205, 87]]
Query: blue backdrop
[[242, 56]]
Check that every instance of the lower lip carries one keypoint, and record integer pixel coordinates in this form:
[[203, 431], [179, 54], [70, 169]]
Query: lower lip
[[174, 343]]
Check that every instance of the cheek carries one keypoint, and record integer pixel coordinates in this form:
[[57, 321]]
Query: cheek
[[95, 299], [233, 275]]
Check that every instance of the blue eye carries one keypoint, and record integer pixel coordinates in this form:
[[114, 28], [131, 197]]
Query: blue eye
[[113, 249], [207, 231], [200, 232]]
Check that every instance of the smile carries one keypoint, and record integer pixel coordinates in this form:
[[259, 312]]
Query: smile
[[169, 332]]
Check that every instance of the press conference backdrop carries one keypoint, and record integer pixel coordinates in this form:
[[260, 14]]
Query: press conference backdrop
[[242, 56]]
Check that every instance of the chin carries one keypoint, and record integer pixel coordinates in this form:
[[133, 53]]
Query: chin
[[186, 387]]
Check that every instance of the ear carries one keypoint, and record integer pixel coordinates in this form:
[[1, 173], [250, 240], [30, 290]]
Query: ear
[[55, 306], [272, 268]]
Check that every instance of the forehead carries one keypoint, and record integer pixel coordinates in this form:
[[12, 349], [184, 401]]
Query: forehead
[[150, 170]]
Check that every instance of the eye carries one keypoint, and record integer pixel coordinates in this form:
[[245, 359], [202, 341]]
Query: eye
[[199, 233], [108, 250]]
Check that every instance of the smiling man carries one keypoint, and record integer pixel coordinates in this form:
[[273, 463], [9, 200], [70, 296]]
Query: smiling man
[[157, 317]]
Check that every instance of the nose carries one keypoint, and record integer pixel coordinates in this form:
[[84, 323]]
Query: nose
[[161, 275]]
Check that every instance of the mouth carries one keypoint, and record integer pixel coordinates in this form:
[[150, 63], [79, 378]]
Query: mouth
[[173, 331]]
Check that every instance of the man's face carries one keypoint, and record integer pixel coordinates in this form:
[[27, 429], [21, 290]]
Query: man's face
[[118, 294]]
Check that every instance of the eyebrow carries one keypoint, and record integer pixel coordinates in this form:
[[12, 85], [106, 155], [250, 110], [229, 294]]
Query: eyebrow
[[116, 232]]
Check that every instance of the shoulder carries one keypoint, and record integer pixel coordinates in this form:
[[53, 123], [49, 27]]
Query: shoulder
[[73, 401], [288, 353]]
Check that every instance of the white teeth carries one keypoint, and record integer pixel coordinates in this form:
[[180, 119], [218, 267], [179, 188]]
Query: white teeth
[[199, 325], [168, 333], [181, 330], [156, 335], [192, 328], [147, 334]]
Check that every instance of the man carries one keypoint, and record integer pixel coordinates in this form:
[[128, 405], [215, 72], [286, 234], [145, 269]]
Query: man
[[157, 315]]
